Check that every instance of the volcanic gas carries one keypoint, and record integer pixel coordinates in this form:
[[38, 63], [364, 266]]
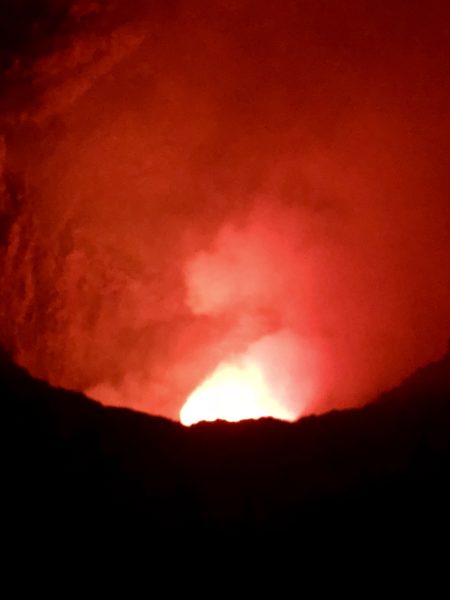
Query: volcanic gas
[[232, 393], [228, 209]]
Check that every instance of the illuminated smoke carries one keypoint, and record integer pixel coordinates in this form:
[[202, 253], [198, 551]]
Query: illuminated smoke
[[234, 392], [275, 377], [184, 182]]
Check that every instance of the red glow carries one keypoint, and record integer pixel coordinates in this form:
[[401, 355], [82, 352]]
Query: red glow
[[278, 376], [259, 182], [234, 392]]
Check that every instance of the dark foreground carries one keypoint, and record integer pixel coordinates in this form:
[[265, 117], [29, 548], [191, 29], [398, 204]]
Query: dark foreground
[[79, 473]]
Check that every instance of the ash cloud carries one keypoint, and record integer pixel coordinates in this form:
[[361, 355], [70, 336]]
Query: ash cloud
[[186, 180]]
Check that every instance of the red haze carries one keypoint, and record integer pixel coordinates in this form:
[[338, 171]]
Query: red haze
[[191, 181]]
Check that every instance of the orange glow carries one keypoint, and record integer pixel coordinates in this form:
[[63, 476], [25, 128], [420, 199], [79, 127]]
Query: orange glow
[[224, 195], [234, 392]]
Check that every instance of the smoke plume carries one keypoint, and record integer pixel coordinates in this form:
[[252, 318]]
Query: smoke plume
[[187, 182]]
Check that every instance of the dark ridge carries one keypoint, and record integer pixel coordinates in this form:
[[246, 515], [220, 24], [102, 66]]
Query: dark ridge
[[77, 470]]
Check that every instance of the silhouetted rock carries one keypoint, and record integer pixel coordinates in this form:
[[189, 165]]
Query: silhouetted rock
[[77, 470]]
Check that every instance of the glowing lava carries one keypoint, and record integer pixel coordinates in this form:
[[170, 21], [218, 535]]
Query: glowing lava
[[233, 392]]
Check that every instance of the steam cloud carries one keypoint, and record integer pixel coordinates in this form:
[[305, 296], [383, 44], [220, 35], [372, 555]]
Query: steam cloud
[[186, 181]]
